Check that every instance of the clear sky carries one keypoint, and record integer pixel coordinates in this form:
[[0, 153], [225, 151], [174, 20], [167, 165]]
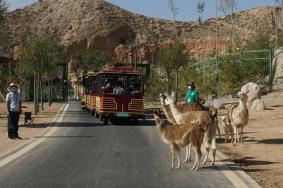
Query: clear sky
[[159, 8]]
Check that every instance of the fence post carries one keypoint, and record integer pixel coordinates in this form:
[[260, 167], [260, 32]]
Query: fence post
[[217, 75], [270, 77], [242, 63]]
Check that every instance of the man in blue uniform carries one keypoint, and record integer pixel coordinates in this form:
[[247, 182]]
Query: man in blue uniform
[[192, 95]]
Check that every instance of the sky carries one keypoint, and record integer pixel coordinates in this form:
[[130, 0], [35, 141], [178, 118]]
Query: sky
[[160, 9]]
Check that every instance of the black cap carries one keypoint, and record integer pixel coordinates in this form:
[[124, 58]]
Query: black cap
[[191, 83]]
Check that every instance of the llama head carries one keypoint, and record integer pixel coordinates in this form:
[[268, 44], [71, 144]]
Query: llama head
[[173, 95], [163, 99], [166, 99], [170, 99], [243, 96], [157, 117]]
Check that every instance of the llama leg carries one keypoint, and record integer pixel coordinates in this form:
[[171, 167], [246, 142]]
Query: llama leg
[[238, 136], [241, 134], [232, 134], [226, 137], [206, 156], [172, 156], [213, 146], [189, 153], [235, 135], [178, 158], [198, 156], [218, 129]]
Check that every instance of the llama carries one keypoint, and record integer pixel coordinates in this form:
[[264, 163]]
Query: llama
[[178, 136], [238, 116], [228, 129], [201, 117], [210, 136]]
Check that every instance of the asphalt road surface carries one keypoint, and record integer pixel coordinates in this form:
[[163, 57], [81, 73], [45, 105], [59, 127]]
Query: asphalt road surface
[[83, 153]]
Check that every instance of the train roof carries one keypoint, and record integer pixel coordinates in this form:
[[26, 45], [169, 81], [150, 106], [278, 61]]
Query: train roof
[[121, 70]]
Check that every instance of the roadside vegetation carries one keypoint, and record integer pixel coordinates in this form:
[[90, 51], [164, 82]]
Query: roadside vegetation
[[234, 69]]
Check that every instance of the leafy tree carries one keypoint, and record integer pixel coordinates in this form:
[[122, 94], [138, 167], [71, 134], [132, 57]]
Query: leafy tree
[[227, 7], [170, 60], [93, 59], [40, 57], [200, 9], [4, 37], [3, 9], [153, 86]]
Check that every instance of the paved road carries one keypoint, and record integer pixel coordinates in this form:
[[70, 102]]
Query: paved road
[[82, 153]]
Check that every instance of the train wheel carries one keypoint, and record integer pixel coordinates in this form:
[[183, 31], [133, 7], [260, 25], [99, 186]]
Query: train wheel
[[135, 121]]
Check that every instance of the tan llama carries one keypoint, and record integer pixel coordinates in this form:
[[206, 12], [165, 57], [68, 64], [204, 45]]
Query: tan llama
[[178, 136], [228, 129], [238, 115], [210, 115]]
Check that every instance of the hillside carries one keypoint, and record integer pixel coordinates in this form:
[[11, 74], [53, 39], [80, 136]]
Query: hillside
[[97, 24]]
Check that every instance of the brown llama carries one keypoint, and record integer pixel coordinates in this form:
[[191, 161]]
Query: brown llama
[[178, 136]]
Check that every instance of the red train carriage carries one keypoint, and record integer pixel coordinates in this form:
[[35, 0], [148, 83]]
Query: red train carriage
[[116, 92], [88, 100]]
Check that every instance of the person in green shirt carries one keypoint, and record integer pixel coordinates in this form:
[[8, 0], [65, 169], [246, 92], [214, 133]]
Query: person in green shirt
[[192, 95]]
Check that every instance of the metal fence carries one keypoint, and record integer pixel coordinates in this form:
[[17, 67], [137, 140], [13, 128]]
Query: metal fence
[[227, 72]]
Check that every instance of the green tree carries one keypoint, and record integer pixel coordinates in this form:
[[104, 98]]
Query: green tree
[[93, 59], [153, 86], [200, 9], [170, 60], [4, 36], [3, 9], [40, 58], [228, 7]]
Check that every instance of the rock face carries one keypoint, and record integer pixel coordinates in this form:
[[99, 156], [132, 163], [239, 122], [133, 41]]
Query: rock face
[[97, 24], [278, 66]]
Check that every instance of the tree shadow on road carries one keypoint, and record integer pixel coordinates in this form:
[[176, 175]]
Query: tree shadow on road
[[63, 124], [55, 137], [271, 141], [141, 123]]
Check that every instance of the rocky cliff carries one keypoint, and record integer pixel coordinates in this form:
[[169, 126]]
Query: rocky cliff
[[97, 24]]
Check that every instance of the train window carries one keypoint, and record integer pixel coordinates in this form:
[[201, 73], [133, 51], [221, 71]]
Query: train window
[[127, 84]]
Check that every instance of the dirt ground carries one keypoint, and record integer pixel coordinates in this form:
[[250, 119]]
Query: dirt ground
[[261, 155], [41, 121]]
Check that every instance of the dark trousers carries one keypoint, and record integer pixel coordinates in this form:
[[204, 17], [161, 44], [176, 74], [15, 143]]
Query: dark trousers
[[13, 124]]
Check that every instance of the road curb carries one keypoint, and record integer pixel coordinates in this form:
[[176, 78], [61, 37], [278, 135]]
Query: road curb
[[21, 147], [237, 176]]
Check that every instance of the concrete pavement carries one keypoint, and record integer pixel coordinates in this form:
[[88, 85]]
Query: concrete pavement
[[82, 153]]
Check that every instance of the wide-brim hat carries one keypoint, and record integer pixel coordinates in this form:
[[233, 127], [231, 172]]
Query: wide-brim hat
[[13, 85]]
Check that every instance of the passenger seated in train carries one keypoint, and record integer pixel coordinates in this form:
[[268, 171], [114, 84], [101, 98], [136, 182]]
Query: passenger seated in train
[[107, 88], [118, 89]]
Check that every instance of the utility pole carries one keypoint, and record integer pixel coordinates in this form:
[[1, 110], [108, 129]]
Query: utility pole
[[174, 9], [216, 45]]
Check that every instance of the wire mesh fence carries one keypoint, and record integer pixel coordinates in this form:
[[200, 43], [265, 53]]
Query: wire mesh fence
[[226, 73]]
